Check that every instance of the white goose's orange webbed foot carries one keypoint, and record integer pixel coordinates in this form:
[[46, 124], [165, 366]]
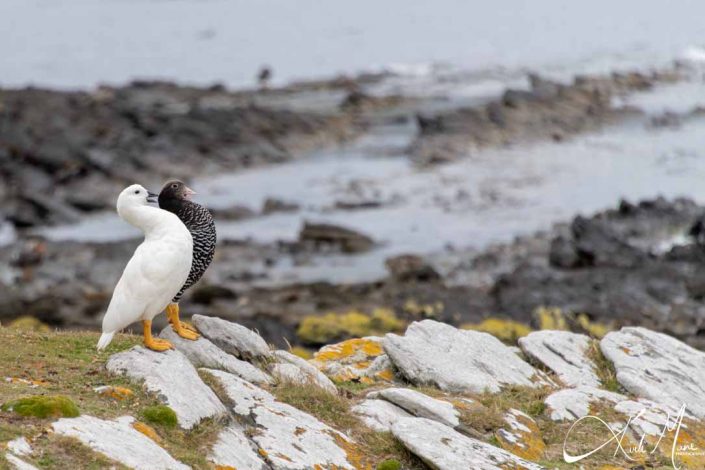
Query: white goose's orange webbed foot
[[182, 329], [155, 344]]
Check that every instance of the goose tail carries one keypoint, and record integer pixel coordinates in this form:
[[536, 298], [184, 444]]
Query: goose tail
[[105, 340]]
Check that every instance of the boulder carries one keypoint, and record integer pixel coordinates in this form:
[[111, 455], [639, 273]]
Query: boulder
[[203, 353], [658, 367], [118, 440], [328, 235], [286, 437], [563, 352], [175, 381], [298, 370], [355, 360], [443, 448], [421, 405], [232, 449], [232, 338], [574, 403], [456, 360], [379, 415]]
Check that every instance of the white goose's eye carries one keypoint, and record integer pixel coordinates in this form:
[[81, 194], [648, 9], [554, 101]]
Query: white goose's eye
[[137, 191]]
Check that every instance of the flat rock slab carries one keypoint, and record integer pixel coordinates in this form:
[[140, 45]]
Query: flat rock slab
[[443, 448], [379, 415], [456, 360], [203, 353], [171, 376], [232, 449], [232, 338], [358, 359], [573, 403], [17, 463], [119, 441], [658, 367], [298, 370], [286, 437], [421, 405], [521, 436], [563, 352]]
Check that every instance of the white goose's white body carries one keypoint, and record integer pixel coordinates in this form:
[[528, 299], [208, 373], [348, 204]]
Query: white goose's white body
[[157, 269]]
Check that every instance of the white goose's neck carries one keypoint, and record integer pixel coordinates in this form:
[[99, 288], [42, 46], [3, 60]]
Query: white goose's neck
[[150, 220]]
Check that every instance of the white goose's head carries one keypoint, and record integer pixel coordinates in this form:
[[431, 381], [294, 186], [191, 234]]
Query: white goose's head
[[131, 198]]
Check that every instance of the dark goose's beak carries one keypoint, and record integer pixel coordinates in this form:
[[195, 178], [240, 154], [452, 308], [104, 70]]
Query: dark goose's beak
[[151, 197]]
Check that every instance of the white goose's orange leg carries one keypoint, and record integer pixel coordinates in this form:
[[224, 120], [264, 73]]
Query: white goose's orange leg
[[182, 329], [155, 344]]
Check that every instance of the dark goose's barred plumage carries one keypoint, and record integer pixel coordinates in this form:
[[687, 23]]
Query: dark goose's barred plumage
[[174, 198]]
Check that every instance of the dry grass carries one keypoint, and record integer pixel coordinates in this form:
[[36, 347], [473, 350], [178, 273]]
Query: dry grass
[[604, 368]]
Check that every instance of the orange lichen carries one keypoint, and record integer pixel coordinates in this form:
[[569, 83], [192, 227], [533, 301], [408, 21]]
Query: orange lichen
[[115, 392], [147, 430], [224, 467], [349, 348], [354, 454], [262, 452], [352, 361], [516, 439], [32, 383]]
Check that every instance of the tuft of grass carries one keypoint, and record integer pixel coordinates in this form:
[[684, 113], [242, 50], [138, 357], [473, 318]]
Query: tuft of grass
[[389, 464], [603, 368], [160, 415], [42, 406]]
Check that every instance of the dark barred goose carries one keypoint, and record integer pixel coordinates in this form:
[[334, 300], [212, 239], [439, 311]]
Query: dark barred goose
[[174, 198]]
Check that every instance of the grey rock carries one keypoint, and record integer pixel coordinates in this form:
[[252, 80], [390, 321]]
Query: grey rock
[[17, 463], [563, 352], [443, 448], [172, 377], [421, 405], [574, 403], [658, 367], [232, 338], [290, 438], [296, 369], [118, 440], [379, 415], [203, 353], [233, 449], [456, 360]]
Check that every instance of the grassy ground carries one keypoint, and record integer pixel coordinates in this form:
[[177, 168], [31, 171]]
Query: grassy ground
[[67, 363]]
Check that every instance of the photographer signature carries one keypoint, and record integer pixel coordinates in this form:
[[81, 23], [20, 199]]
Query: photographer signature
[[617, 437]]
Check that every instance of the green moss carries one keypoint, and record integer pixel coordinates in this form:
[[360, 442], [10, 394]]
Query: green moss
[[43, 406], [390, 464], [160, 415], [333, 327]]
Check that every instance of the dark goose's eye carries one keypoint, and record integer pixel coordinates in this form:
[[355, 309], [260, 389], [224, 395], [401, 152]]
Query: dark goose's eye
[[174, 185]]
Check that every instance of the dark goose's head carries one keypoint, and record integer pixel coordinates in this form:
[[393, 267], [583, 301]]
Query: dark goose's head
[[173, 194]]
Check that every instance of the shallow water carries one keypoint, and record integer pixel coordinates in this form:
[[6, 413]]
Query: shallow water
[[489, 197]]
